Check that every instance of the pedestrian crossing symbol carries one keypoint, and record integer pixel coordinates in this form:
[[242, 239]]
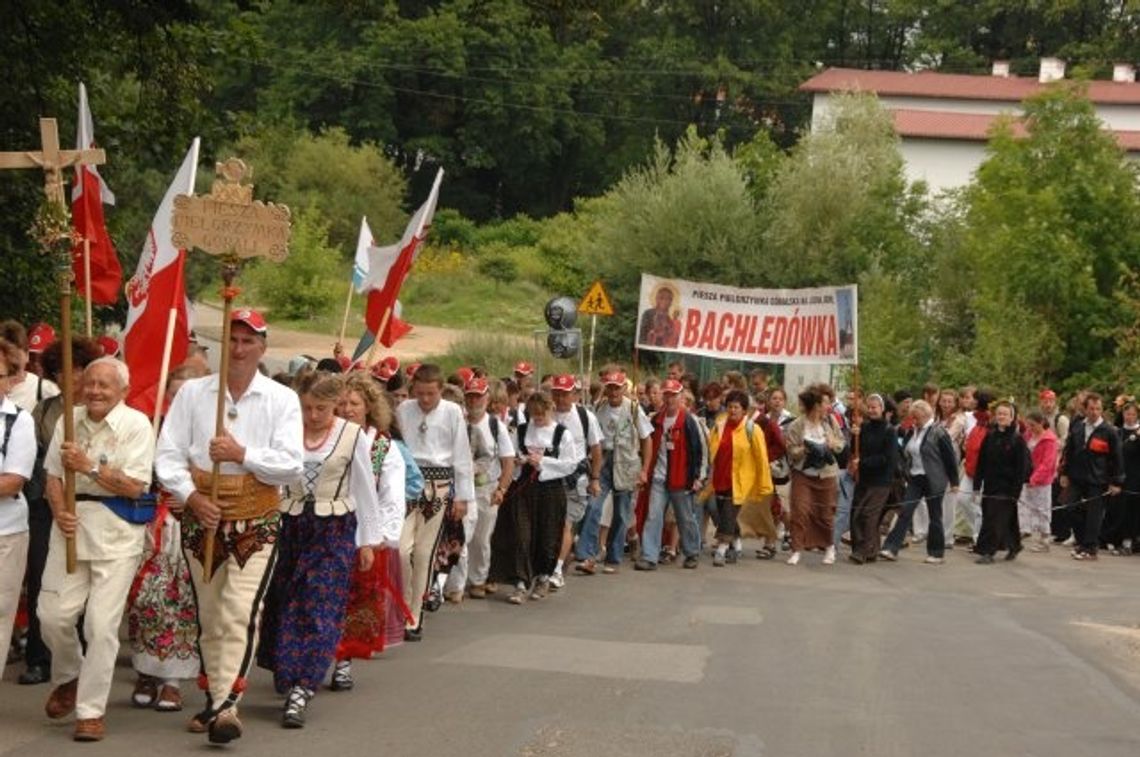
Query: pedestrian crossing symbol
[[596, 301]]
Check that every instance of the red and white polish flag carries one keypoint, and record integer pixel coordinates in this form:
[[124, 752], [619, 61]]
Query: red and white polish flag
[[89, 194]]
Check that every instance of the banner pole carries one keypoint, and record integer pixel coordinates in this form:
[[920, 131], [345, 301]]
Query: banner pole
[[368, 361], [593, 332], [344, 322]]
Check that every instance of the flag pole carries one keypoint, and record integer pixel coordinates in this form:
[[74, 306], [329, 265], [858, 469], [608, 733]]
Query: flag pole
[[368, 361], [87, 280], [168, 348], [344, 321]]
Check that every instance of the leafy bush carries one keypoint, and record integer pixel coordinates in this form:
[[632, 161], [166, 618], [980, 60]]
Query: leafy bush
[[498, 265], [304, 286]]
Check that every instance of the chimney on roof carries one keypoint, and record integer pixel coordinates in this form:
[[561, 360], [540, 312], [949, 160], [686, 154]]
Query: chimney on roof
[[1124, 72], [1052, 69], [1001, 69]]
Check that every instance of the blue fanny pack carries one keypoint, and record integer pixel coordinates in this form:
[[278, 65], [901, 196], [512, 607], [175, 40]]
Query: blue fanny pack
[[137, 511]]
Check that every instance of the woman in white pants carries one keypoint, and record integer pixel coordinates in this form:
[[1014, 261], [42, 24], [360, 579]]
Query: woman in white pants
[[17, 458]]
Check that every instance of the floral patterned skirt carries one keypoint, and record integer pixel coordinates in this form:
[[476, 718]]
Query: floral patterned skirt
[[304, 611], [162, 617], [377, 613]]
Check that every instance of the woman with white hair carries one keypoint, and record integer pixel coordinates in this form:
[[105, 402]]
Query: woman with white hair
[[931, 467]]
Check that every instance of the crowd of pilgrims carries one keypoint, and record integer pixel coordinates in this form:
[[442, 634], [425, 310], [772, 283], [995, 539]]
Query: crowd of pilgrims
[[407, 490]]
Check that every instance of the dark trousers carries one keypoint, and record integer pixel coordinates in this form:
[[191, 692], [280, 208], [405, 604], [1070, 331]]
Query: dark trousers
[[39, 535], [1088, 516], [917, 488], [1000, 528], [867, 507]]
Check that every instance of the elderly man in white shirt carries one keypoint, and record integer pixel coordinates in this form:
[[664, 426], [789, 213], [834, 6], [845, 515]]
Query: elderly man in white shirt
[[17, 459], [261, 450], [112, 455], [435, 432]]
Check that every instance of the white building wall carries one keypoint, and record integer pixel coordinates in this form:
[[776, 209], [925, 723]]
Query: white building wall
[[942, 163], [946, 163]]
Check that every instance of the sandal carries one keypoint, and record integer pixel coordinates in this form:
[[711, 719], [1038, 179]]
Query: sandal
[[586, 567], [169, 699], [145, 693]]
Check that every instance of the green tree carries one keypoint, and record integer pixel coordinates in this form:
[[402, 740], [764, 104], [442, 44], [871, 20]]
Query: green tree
[[299, 287], [326, 173], [1049, 224], [685, 213]]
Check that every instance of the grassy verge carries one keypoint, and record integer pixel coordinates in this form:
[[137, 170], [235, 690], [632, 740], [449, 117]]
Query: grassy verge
[[451, 295]]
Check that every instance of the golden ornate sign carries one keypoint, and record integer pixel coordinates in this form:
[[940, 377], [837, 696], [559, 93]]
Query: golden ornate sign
[[229, 222]]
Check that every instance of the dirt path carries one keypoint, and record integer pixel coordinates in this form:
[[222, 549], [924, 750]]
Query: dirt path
[[284, 344]]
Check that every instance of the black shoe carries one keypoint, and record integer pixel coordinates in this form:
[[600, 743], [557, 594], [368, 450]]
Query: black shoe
[[1012, 554], [342, 676], [692, 562], [434, 600], [985, 560], [413, 634], [644, 565], [295, 704], [730, 556], [34, 674], [856, 559]]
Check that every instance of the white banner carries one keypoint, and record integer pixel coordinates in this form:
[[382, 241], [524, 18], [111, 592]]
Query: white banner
[[756, 325]]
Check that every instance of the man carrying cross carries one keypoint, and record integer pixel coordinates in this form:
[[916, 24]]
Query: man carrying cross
[[260, 450]]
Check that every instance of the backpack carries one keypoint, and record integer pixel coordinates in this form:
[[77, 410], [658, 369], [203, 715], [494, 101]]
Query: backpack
[[9, 422], [559, 430]]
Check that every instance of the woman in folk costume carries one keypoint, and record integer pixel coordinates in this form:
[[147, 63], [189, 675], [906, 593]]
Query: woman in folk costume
[[528, 531], [162, 616], [331, 523], [375, 600]]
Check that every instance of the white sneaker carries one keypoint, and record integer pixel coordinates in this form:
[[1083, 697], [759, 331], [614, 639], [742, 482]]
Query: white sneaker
[[794, 558], [829, 556], [557, 581], [932, 560]]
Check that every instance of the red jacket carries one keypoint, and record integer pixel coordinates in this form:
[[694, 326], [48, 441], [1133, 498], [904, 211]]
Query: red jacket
[[1044, 459]]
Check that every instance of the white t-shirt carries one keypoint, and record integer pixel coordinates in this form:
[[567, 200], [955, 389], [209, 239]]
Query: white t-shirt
[[19, 460], [661, 469], [24, 393], [573, 424], [500, 448]]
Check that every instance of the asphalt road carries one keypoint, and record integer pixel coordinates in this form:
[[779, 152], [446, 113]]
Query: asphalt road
[[1037, 657]]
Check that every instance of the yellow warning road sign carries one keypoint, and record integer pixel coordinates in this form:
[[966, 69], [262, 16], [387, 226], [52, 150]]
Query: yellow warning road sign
[[596, 301]]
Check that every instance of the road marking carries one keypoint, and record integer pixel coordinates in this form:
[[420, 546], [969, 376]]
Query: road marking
[[678, 663], [1130, 631], [727, 615]]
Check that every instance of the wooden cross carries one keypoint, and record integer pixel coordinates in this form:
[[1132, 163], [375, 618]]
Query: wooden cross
[[52, 160]]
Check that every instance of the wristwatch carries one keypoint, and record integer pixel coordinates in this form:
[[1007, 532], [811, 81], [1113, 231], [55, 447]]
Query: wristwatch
[[93, 474]]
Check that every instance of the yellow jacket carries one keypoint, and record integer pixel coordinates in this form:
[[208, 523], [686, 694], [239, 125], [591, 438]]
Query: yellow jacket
[[751, 475]]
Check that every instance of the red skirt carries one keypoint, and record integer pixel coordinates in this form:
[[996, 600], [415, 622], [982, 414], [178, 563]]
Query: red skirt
[[377, 613]]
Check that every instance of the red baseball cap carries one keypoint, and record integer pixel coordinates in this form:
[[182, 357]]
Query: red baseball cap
[[475, 385], [411, 369], [344, 362], [251, 318], [42, 337], [671, 386], [1047, 394], [465, 374], [563, 383], [386, 368], [524, 368], [109, 344], [614, 378]]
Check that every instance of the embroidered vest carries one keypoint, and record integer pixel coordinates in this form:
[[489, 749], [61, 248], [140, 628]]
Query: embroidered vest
[[328, 479]]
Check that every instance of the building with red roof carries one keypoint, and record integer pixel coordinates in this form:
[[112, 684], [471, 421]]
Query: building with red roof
[[944, 120]]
